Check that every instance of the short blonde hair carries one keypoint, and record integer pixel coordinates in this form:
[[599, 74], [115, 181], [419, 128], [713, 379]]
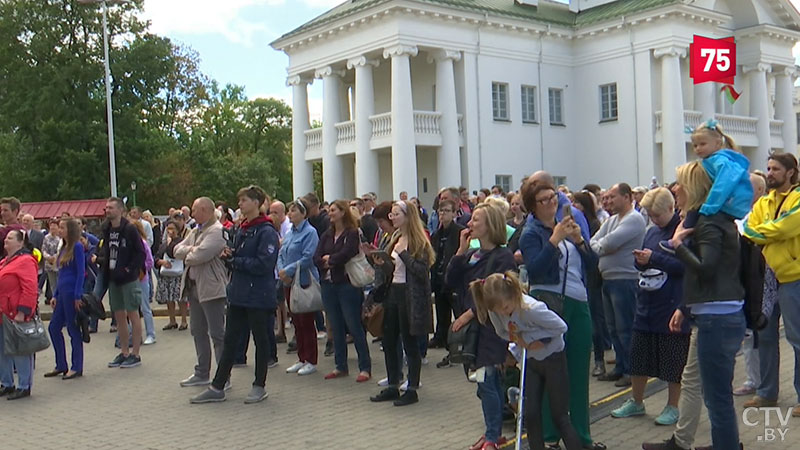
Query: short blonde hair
[[495, 223], [695, 183], [498, 203], [659, 201]]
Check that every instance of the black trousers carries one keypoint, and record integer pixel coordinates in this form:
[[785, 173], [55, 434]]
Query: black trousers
[[444, 312], [259, 321], [548, 375], [396, 327]]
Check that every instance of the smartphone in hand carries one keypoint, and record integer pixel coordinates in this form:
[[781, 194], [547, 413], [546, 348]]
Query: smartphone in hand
[[566, 211]]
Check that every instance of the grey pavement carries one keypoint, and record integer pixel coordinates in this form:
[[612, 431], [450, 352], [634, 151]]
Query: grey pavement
[[145, 407]]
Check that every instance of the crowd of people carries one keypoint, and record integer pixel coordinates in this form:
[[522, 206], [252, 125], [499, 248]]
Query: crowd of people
[[673, 278]]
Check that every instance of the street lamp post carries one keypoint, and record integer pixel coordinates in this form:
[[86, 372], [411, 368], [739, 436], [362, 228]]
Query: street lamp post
[[133, 189], [112, 162]]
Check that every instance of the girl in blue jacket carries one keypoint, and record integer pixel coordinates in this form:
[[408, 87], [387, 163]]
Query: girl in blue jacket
[[530, 324]]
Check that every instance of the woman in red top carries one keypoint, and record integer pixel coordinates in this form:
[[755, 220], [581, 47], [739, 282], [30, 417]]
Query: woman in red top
[[18, 298]]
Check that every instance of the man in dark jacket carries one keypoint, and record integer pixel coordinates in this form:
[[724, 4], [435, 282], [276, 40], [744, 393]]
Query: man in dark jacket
[[251, 295], [123, 265], [445, 242], [317, 216]]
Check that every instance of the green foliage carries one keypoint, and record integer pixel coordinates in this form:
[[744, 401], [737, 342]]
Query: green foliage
[[177, 133]]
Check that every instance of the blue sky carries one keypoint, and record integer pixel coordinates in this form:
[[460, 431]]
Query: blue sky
[[233, 36]]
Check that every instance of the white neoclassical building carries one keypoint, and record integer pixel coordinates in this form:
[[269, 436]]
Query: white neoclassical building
[[420, 94]]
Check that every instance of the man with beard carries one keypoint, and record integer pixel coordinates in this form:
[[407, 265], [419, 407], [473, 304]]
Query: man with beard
[[774, 223]]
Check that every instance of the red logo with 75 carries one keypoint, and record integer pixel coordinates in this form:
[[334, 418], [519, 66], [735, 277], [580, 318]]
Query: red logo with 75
[[712, 60]]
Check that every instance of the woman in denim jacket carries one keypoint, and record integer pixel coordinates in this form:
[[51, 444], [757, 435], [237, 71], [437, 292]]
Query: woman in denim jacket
[[298, 249], [552, 250]]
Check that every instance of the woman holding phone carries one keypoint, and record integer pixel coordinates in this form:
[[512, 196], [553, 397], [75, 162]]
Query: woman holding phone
[[558, 260]]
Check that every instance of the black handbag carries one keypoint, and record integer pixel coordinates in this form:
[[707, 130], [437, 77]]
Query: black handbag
[[25, 338], [463, 344]]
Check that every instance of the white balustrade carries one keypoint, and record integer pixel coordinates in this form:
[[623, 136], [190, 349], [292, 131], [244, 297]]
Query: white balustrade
[[381, 125], [314, 140], [426, 122], [346, 132], [776, 128], [740, 125]]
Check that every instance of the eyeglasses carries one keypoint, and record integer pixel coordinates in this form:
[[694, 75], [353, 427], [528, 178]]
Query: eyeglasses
[[547, 200], [442, 211]]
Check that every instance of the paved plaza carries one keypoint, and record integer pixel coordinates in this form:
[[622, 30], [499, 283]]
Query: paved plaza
[[145, 408]]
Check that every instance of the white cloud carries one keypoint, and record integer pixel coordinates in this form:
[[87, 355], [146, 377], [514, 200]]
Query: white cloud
[[207, 17]]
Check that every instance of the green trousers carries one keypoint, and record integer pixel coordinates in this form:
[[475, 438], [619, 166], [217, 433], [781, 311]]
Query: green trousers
[[578, 349]]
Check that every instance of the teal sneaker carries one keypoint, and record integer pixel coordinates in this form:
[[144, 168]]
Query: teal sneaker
[[669, 416], [628, 409]]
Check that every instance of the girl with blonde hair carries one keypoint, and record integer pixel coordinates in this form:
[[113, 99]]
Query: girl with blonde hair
[[531, 325], [407, 310]]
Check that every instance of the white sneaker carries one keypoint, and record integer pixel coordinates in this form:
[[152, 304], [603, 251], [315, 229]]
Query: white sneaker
[[424, 361], [227, 386], [149, 340], [473, 376], [404, 386], [295, 367], [322, 335], [383, 382], [308, 369]]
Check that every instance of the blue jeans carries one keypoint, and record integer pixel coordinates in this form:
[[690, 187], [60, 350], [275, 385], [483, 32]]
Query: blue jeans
[[23, 364], [619, 303], [147, 312], [719, 337], [343, 306], [492, 396], [601, 338], [769, 341]]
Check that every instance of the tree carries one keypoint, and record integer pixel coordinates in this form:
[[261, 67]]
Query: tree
[[176, 132]]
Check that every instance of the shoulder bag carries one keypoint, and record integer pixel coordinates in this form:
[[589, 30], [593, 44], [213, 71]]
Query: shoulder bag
[[358, 269], [554, 301], [305, 300], [26, 338]]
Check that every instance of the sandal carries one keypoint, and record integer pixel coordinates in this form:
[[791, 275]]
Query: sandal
[[489, 446], [478, 445], [183, 327], [335, 374], [363, 376], [170, 326]]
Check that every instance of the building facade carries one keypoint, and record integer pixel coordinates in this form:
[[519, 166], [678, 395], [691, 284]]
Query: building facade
[[422, 94]]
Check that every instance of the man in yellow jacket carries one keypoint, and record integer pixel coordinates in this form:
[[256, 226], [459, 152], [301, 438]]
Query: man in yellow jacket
[[774, 223]]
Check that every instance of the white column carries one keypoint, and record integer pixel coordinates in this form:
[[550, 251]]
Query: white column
[[404, 149], [332, 171], [705, 100], [367, 170], [673, 142], [302, 171], [344, 102], [759, 108], [448, 158], [784, 110]]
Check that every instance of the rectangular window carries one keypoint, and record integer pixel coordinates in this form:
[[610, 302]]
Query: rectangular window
[[559, 180], [504, 181], [528, 104], [556, 100], [608, 102], [500, 101]]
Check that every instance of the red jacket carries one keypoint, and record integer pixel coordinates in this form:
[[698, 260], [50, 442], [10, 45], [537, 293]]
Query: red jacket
[[19, 286]]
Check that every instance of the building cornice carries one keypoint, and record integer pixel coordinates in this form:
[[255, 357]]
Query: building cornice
[[769, 32], [686, 13]]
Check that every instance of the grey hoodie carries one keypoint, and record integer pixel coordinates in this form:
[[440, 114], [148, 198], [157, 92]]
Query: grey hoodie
[[534, 322]]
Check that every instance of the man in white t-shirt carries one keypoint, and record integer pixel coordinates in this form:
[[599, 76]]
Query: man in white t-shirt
[[277, 213]]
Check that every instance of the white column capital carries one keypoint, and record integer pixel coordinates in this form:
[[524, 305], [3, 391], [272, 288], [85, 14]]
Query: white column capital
[[361, 61], [670, 50], [297, 80], [760, 67], [444, 55], [400, 50], [787, 71], [328, 71]]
